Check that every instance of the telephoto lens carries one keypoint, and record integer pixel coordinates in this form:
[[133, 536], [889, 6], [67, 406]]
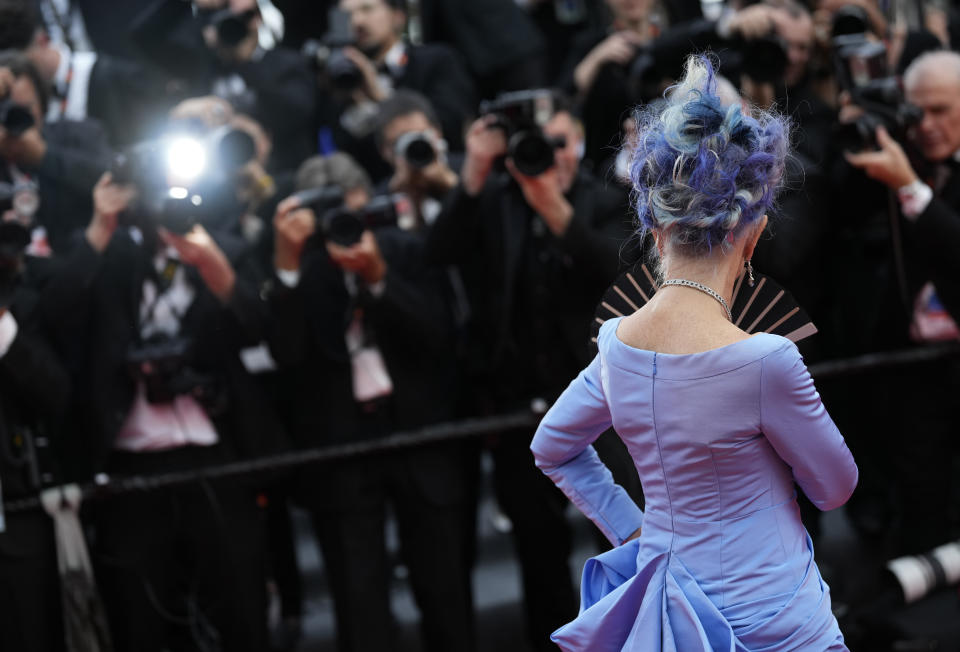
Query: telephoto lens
[[416, 148], [919, 575]]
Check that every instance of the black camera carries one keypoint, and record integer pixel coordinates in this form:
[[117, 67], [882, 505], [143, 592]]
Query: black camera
[[15, 118], [181, 177], [416, 148], [862, 71], [337, 70], [522, 115], [165, 366], [232, 27], [14, 239], [339, 224]]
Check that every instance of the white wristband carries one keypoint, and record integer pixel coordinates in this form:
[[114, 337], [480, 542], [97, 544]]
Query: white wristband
[[914, 198], [8, 332], [289, 277]]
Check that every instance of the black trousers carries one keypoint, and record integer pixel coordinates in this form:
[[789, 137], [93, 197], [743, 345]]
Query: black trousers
[[180, 564], [541, 537], [902, 426], [31, 619], [349, 502], [541, 533]]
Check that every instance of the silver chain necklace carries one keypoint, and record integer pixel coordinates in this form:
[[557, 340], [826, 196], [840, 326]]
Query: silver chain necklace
[[703, 288]]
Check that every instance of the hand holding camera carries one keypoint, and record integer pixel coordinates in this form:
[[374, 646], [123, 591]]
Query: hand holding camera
[[484, 145], [363, 258], [619, 48], [889, 165], [545, 196], [370, 87], [294, 224], [753, 22], [197, 249], [420, 166], [109, 200]]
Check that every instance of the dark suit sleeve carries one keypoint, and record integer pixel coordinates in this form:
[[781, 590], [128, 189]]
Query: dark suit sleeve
[[413, 305], [309, 319], [938, 233], [450, 89], [597, 231], [288, 332], [36, 377], [456, 231], [285, 89], [168, 36], [77, 154]]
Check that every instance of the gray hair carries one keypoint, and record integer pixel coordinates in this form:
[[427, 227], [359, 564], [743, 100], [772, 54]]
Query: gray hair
[[940, 62], [336, 169]]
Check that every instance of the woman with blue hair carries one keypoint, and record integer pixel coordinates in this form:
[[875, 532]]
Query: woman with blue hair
[[720, 424]]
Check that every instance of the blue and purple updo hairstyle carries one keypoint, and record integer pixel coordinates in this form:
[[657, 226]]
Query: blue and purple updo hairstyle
[[702, 170]]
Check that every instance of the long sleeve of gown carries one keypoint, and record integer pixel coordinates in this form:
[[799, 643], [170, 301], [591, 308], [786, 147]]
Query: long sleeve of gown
[[562, 449], [798, 427]]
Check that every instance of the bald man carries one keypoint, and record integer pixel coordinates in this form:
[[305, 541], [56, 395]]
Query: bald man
[[923, 415]]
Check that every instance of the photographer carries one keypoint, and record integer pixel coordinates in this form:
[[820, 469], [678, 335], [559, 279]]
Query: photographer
[[216, 50], [385, 62], [536, 252], [923, 303], [51, 167], [34, 393], [412, 143], [160, 318], [363, 326]]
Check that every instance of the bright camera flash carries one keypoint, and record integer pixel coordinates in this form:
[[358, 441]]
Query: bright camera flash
[[186, 159]]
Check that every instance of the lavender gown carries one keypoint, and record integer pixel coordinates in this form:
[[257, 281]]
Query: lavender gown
[[718, 438]]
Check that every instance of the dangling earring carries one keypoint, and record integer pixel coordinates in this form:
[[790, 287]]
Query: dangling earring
[[749, 273]]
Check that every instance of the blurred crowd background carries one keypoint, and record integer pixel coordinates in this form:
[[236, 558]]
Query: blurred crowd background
[[236, 228]]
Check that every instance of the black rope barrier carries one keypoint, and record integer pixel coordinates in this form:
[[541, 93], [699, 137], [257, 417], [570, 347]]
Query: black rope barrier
[[105, 486]]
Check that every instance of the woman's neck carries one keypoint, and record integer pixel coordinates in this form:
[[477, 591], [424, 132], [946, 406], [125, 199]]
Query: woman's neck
[[718, 272]]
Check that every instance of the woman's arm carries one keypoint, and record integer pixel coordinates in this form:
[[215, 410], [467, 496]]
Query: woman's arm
[[798, 427], [562, 450]]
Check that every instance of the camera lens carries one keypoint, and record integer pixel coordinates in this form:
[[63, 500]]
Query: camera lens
[[234, 148], [344, 228], [342, 72], [531, 153], [232, 28], [417, 151]]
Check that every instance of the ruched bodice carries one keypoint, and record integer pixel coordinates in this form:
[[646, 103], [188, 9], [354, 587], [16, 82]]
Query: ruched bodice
[[718, 438]]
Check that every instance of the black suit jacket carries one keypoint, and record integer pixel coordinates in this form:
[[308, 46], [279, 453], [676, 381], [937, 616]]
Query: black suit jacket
[[932, 247], [99, 296], [437, 72], [129, 98], [34, 394], [412, 326], [491, 34], [413, 329], [485, 236]]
